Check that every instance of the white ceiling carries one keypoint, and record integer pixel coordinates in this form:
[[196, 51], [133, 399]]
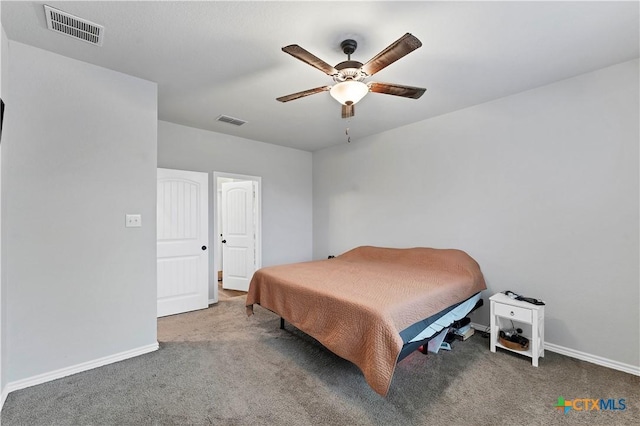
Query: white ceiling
[[212, 58]]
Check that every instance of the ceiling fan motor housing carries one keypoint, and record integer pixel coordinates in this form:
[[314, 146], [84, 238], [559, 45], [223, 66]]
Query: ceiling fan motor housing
[[349, 70]]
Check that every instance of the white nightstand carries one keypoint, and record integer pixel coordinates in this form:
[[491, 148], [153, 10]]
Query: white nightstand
[[524, 315]]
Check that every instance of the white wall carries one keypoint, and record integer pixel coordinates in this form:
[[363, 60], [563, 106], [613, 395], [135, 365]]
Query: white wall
[[286, 185], [541, 188], [79, 152]]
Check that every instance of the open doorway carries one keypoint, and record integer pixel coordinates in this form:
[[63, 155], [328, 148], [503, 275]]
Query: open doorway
[[237, 231]]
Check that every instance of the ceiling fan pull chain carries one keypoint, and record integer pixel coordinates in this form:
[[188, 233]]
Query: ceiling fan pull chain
[[346, 132]]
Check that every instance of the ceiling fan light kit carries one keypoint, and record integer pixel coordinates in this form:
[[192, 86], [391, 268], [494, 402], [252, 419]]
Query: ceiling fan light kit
[[349, 92], [349, 75]]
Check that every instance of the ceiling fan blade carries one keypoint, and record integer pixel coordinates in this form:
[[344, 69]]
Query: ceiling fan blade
[[348, 111], [401, 47], [302, 94], [308, 58], [397, 90]]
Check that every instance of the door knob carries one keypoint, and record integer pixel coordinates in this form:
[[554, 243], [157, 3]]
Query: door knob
[[224, 241], [204, 247]]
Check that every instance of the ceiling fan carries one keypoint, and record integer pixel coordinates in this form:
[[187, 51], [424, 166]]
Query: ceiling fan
[[349, 75]]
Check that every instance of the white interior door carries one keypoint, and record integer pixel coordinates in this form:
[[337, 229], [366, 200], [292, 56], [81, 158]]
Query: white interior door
[[238, 234], [183, 261]]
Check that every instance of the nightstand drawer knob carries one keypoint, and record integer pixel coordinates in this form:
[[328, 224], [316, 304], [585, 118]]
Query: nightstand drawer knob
[[512, 313]]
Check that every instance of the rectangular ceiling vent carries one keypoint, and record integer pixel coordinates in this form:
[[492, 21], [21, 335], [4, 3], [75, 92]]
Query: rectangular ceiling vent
[[75, 27], [230, 120]]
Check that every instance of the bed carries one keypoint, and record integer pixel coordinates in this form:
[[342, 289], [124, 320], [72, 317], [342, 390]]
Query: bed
[[372, 305]]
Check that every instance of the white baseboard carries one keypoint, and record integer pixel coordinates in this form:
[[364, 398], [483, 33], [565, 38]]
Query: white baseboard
[[583, 356], [594, 359], [480, 327], [3, 397], [78, 368]]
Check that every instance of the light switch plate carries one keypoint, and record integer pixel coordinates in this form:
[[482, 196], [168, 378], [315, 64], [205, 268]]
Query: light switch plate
[[133, 221]]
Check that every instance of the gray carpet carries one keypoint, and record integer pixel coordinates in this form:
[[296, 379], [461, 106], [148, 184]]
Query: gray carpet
[[217, 366]]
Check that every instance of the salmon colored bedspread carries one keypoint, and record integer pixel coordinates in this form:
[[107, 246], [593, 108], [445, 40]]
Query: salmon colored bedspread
[[357, 303]]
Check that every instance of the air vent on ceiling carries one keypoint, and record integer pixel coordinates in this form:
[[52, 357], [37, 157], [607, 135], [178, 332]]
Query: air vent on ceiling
[[230, 120], [75, 27]]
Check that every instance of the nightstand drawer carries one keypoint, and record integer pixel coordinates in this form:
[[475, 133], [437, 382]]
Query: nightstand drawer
[[513, 312]]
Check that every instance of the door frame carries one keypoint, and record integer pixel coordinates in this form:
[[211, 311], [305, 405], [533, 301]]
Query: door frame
[[216, 231]]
